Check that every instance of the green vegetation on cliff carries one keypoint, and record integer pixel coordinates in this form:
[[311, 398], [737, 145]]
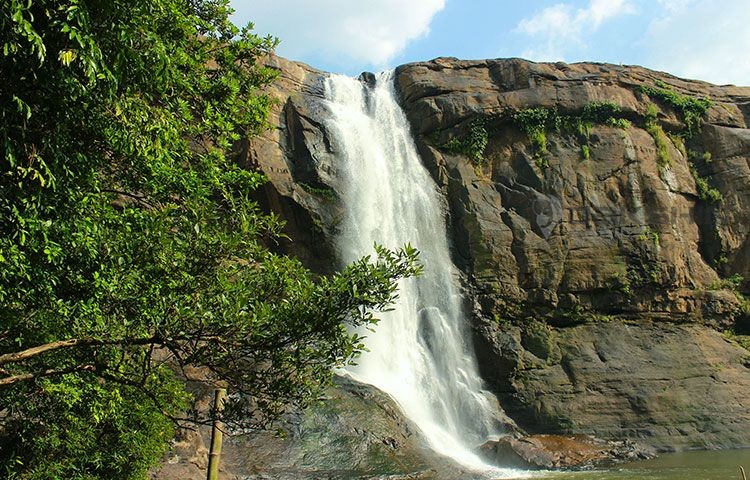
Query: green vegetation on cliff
[[538, 121], [660, 138], [129, 246], [706, 192], [472, 145], [535, 123], [690, 108]]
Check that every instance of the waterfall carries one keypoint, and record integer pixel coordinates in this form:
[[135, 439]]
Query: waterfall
[[419, 353]]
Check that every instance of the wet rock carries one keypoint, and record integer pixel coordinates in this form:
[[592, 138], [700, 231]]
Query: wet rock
[[557, 451], [297, 158], [368, 78], [356, 431]]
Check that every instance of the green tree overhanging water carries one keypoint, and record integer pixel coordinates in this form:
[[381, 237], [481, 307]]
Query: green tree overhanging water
[[129, 244]]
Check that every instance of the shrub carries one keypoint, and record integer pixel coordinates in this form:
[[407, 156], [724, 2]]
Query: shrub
[[473, 145], [705, 191], [538, 121], [535, 122], [585, 152], [649, 235], [691, 109], [601, 112], [530, 120]]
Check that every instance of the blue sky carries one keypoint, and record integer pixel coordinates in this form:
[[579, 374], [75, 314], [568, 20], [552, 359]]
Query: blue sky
[[703, 39]]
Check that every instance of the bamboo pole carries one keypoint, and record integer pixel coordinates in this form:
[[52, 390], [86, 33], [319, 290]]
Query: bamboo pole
[[217, 435], [742, 470]]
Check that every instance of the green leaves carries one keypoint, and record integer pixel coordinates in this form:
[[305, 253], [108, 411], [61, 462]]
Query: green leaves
[[17, 20], [530, 120], [692, 109], [129, 243], [472, 145], [93, 430]]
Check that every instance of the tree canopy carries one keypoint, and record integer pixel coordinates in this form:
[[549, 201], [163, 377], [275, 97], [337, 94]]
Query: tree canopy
[[130, 246]]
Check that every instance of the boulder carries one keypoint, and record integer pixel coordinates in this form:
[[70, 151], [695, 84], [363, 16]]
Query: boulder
[[355, 431], [558, 451]]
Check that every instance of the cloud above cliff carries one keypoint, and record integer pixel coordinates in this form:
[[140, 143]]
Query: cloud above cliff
[[705, 39], [341, 31], [557, 29]]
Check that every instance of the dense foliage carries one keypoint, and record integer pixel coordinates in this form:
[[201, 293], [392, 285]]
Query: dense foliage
[[129, 244]]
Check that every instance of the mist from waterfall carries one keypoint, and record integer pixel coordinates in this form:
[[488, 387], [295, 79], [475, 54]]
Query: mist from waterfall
[[419, 353]]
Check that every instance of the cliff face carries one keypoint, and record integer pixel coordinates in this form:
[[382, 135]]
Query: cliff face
[[599, 214], [626, 231]]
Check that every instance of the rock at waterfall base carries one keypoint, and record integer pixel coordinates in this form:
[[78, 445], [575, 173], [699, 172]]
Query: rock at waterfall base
[[558, 451]]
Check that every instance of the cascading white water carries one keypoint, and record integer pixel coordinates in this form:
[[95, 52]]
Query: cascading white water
[[418, 353]]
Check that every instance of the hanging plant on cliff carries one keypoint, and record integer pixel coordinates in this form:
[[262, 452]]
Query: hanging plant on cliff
[[129, 245]]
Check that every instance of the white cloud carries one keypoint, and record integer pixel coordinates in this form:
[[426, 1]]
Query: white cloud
[[561, 27], [704, 39], [341, 31], [675, 6]]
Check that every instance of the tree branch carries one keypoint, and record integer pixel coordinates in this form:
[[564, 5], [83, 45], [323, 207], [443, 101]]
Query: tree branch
[[138, 198], [16, 357], [44, 373]]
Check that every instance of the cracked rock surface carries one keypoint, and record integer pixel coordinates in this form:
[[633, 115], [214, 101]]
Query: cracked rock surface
[[600, 286]]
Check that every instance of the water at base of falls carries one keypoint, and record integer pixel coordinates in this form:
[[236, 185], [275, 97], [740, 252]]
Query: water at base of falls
[[419, 353]]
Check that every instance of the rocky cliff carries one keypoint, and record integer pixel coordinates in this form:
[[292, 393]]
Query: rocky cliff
[[600, 217]]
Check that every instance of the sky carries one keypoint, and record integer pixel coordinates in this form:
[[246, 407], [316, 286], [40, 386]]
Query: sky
[[701, 39]]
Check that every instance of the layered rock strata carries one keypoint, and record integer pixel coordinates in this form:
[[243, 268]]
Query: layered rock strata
[[599, 215]]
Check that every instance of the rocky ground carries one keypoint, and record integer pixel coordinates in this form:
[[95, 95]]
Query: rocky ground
[[356, 432]]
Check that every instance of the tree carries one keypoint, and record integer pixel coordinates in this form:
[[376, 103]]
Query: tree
[[129, 244]]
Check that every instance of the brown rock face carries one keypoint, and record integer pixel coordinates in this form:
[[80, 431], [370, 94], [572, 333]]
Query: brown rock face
[[664, 385], [557, 451], [559, 252], [297, 157], [625, 235], [600, 277]]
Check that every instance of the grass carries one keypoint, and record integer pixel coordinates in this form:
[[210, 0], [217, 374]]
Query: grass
[[661, 140]]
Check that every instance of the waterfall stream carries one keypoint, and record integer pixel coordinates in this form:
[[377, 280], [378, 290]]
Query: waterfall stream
[[419, 353]]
